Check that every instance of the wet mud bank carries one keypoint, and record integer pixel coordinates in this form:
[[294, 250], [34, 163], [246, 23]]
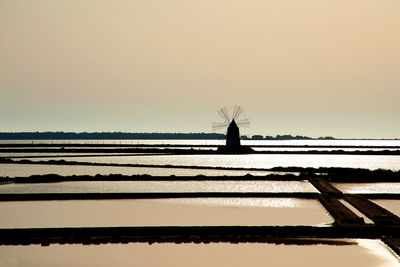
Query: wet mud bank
[[187, 234], [338, 175]]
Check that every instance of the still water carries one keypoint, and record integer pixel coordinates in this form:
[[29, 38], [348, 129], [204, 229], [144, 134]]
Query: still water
[[159, 186], [366, 253], [18, 170], [203, 211], [252, 161], [359, 188], [243, 161]]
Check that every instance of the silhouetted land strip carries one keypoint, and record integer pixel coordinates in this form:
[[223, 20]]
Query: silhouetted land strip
[[387, 196], [329, 198], [188, 234], [393, 243], [330, 174], [323, 186], [88, 156], [106, 136], [63, 162], [149, 136], [91, 145], [191, 151], [347, 224], [54, 178], [109, 150], [379, 215], [341, 214]]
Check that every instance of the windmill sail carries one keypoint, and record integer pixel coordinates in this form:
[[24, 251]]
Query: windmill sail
[[243, 123], [223, 112], [227, 118], [237, 111], [219, 125], [231, 123]]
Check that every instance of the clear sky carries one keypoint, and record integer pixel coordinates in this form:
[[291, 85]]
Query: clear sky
[[307, 67]]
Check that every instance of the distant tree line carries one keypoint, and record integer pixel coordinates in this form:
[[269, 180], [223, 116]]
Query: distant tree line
[[104, 136], [137, 136], [298, 137], [286, 137]]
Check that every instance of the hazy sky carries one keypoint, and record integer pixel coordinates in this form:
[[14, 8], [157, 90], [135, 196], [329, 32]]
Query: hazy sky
[[308, 67]]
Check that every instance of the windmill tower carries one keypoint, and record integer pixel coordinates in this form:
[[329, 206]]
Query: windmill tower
[[232, 123]]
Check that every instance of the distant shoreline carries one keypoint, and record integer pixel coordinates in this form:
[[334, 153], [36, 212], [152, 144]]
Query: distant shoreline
[[154, 136]]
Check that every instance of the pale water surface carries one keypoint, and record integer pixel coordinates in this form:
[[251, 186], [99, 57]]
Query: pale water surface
[[18, 170], [391, 205], [359, 188], [254, 161], [201, 211], [159, 186], [368, 253]]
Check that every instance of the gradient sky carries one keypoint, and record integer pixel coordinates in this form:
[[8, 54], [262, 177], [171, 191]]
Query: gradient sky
[[306, 67]]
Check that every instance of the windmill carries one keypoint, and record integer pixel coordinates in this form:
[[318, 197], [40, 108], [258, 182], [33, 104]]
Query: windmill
[[231, 123]]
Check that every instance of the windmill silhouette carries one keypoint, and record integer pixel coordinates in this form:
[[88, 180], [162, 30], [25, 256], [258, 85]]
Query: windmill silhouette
[[232, 123]]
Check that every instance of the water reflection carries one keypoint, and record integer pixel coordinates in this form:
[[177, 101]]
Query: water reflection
[[240, 202], [15, 170], [254, 160], [221, 254], [359, 188], [391, 205], [381, 251], [159, 186], [201, 211]]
